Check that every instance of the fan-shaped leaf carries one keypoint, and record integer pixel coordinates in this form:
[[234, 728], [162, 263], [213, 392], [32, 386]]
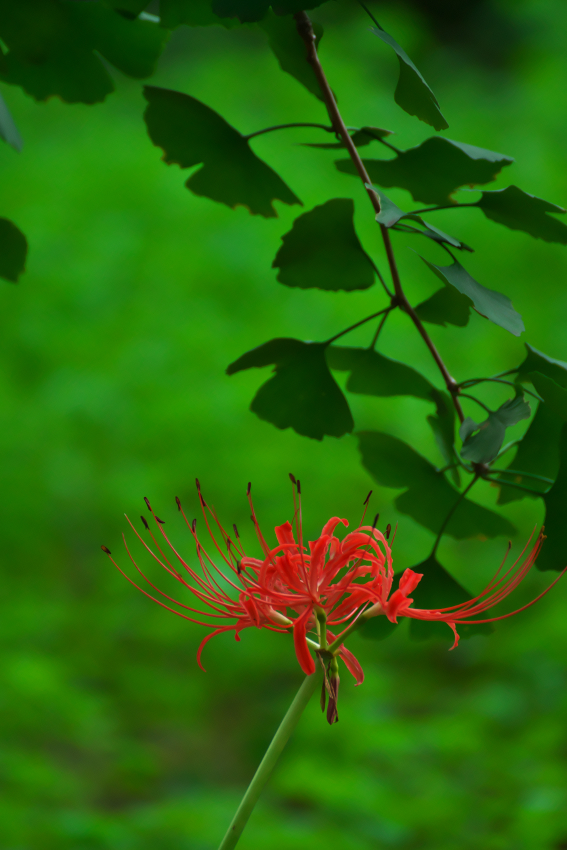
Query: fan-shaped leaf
[[191, 133], [483, 446], [447, 306], [374, 374], [443, 427], [554, 552], [538, 453], [429, 497], [520, 211], [537, 361], [289, 49], [433, 170], [412, 92], [322, 250], [302, 394], [13, 251]]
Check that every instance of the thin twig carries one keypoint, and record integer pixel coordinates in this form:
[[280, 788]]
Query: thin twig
[[470, 382], [523, 474], [285, 126], [472, 398], [443, 207], [379, 328], [445, 522], [362, 322], [519, 487]]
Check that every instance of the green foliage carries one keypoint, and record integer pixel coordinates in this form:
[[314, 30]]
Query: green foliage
[[443, 426], [13, 250], [554, 553], [490, 304], [435, 169], [390, 215], [52, 46], [429, 497], [447, 306], [191, 133], [8, 130], [249, 11], [322, 250], [193, 13], [554, 395], [360, 138], [371, 373], [538, 454], [302, 394], [482, 447], [412, 92], [289, 50], [537, 361], [520, 211]]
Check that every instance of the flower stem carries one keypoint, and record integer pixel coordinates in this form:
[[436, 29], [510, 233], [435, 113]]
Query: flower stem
[[260, 778]]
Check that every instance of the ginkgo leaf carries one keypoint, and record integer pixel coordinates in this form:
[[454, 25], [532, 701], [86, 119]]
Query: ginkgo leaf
[[443, 426], [13, 250], [433, 170], [553, 555], [322, 250], [190, 133], [249, 11], [391, 215], [520, 211], [302, 394], [360, 138], [289, 49], [412, 92], [447, 306], [371, 373], [192, 13], [538, 454], [490, 304], [537, 361], [429, 496], [482, 447]]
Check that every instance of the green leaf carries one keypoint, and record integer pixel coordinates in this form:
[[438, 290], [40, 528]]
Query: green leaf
[[302, 394], [520, 211], [446, 306], [13, 250], [429, 497], [191, 133], [193, 13], [374, 374], [390, 215], [52, 47], [130, 7], [485, 445], [443, 427], [435, 169], [537, 361], [412, 92], [249, 11], [8, 130], [438, 589], [360, 138], [537, 453], [323, 251], [289, 49], [552, 393], [490, 304], [377, 628], [554, 552]]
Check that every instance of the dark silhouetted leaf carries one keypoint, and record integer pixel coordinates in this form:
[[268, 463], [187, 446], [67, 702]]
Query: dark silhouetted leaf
[[323, 251], [443, 427], [552, 393], [412, 92], [249, 11], [302, 394], [374, 374], [132, 7], [13, 251], [430, 497], [537, 361], [485, 445], [433, 170], [554, 552], [191, 133], [537, 453], [289, 49], [8, 130], [193, 13], [52, 48], [438, 589], [445, 307], [490, 304], [360, 138], [377, 628], [520, 211]]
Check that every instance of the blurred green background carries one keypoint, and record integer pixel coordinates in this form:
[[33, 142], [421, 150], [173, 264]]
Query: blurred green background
[[114, 345]]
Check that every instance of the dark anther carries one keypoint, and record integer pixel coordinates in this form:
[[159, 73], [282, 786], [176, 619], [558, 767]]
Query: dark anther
[[178, 502], [147, 501], [228, 542], [388, 530], [299, 486], [236, 531], [198, 485], [204, 504], [161, 521], [145, 522], [238, 567], [194, 526], [292, 477], [253, 518], [367, 498], [104, 549], [375, 523], [248, 488]]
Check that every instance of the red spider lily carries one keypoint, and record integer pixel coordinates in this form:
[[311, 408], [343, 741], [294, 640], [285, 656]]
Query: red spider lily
[[399, 604], [310, 588]]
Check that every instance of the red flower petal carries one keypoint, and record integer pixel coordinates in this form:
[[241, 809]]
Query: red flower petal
[[299, 639]]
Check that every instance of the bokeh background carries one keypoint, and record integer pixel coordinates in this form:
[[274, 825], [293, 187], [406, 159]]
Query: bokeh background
[[112, 386]]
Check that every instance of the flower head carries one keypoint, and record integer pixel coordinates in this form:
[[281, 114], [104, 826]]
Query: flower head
[[299, 588]]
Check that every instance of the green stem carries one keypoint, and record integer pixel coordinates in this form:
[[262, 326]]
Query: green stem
[[445, 522], [285, 127], [471, 382], [518, 487], [280, 739], [472, 398], [362, 321], [444, 207], [523, 474]]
